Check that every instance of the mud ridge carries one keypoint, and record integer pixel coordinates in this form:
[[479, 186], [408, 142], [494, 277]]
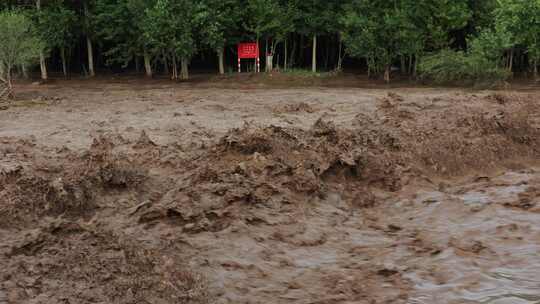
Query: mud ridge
[[264, 211]]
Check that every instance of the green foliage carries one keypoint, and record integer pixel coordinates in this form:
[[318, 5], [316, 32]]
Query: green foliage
[[491, 44], [271, 19], [382, 33], [262, 18], [220, 23], [435, 20], [376, 30], [88, 20], [288, 17], [303, 73], [521, 18], [457, 67], [122, 23], [57, 25], [20, 43], [483, 61], [317, 16], [171, 25], [483, 14]]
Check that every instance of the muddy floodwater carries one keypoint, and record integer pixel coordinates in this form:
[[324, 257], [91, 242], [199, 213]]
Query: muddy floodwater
[[494, 257], [155, 192]]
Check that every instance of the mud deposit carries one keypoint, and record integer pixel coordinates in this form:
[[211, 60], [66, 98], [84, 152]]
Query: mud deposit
[[116, 193]]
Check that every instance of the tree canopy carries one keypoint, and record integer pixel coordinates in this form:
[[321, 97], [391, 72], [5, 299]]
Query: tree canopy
[[378, 36], [20, 43]]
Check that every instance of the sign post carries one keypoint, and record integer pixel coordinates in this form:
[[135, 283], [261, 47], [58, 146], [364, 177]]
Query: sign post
[[248, 51]]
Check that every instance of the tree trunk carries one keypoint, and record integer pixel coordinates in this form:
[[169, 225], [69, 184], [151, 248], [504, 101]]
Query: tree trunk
[[415, 67], [174, 68], [90, 57], [293, 53], [511, 61], [184, 68], [368, 68], [89, 45], [387, 73], [340, 58], [221, 55], [301, 52], [64, 63], [327, 55], [8, 79], [137, 64], [270, 56], [403, 68], [165, 64], [410, 69], [24, 71], [269, 63], [147, 64], [42, 64], [285, 54], [266, 66], [7, 91], [535, 69], [314, 54], [257, 65]]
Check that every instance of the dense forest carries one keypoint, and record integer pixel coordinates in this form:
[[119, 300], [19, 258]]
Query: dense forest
[[441, 40]]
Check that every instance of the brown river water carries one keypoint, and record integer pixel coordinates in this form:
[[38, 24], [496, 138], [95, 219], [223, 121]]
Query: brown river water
[[495, 252], [158, 192]]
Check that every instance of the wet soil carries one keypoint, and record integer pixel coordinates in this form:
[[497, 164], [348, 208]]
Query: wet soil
[[152, 192]]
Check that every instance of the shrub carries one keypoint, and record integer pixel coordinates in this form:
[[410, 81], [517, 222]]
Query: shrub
[[19, 43], [457, 67]]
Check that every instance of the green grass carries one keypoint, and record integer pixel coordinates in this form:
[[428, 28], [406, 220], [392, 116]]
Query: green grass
[[306, 73], [297, 73]]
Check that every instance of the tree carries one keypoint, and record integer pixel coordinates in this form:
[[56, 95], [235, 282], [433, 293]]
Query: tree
[[432, 23], [381, 32], [121, 23], [482, 15], [450, 66], [42, 63], [288, 18], [56, 26], [385, 31], [374, 30], [20, 42], [492, 45], [436, 20], [88, 26], [170, 25], [317, 17], [262, 19], [521, 19], [220, 26]]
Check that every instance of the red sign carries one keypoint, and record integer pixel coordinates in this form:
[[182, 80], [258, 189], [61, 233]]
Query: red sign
[[248, 50]]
